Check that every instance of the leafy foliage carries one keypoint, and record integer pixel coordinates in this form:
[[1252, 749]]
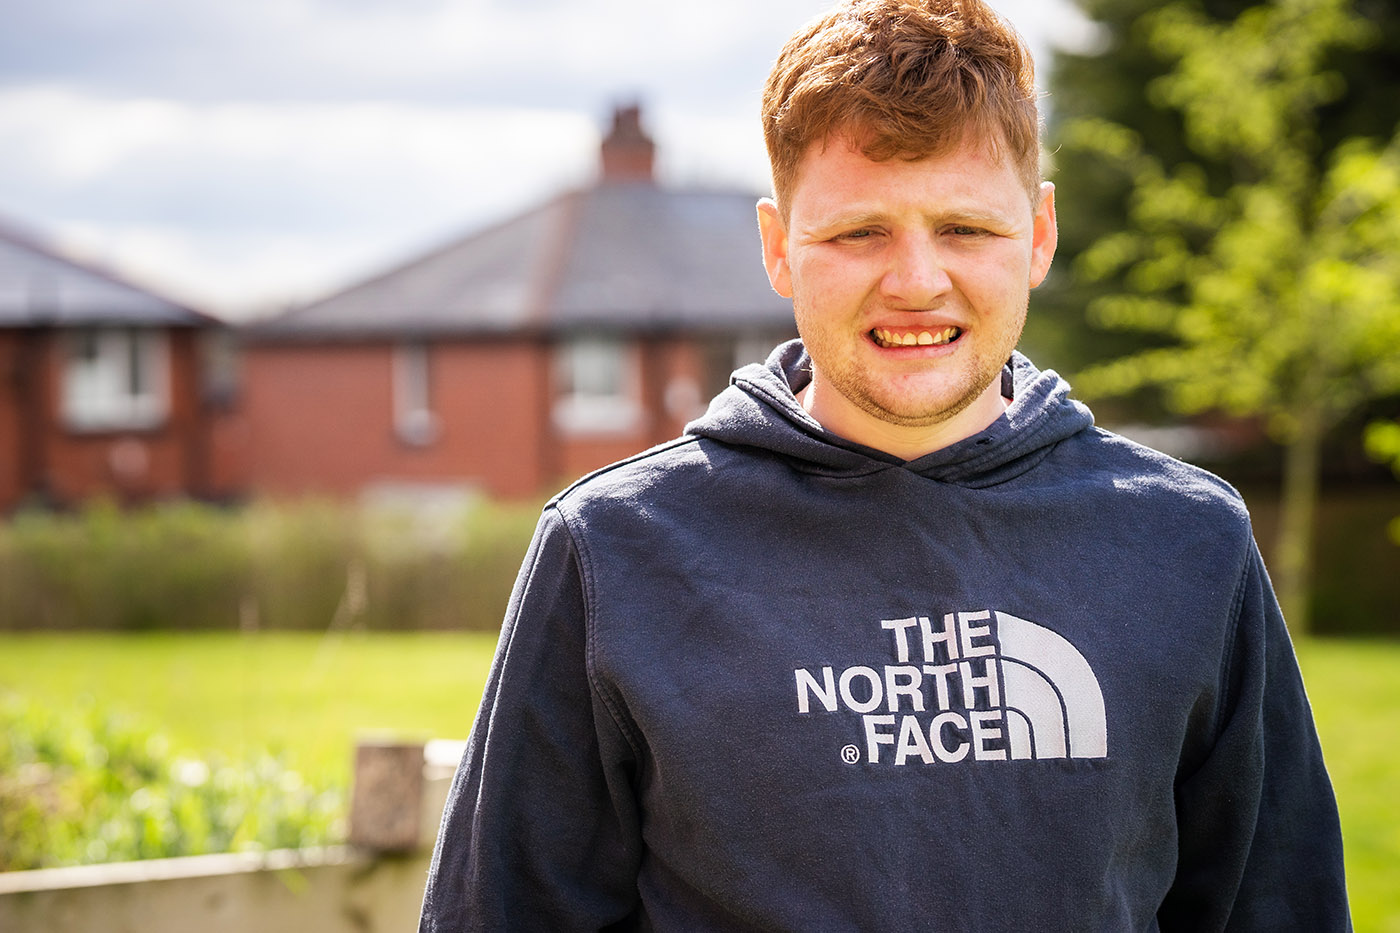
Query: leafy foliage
[[299, 566], [1383, 443], [1123, 79], [1264, 269], [89, 786], [1281, 293]]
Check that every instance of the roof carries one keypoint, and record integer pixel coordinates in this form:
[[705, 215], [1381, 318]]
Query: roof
[[616, 255], [39, 287]]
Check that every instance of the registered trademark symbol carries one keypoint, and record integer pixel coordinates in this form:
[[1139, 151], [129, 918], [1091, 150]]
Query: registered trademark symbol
[[850, 754]]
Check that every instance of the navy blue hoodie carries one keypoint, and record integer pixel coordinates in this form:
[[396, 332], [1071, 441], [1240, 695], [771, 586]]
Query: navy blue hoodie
[[763, 678]]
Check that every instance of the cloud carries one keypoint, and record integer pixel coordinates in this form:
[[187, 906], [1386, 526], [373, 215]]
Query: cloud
[[247, 154], [469, 50], [144, 179]]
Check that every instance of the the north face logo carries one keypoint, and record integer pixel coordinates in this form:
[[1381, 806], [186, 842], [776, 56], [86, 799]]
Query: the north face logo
[[984, 685]]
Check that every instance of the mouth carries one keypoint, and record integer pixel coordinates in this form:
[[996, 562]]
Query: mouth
[[886, 338]]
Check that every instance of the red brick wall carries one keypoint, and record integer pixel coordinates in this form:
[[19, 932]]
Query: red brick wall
[[226, 452], [40, 454], [319, 418], [10, 374]]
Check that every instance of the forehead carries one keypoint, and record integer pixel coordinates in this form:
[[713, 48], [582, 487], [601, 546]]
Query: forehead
[[834, 175]]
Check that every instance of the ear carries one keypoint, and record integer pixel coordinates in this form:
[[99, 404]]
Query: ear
[[775, 246], [1045, 235]]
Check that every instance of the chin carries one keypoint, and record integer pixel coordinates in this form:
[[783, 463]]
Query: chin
[[924, 409], [918, 414]]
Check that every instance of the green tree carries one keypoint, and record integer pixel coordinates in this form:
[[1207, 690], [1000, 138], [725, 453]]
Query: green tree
[[1383, 444], [1111, 79], [1272, 288]]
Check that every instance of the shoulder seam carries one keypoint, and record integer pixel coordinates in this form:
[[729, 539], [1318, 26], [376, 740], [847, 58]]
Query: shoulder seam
[[643, 455], [586, 580], [1227, 657]]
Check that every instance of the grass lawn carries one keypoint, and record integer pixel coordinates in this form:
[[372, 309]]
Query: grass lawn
[[304, 695], [1355, 691], [309, 696]]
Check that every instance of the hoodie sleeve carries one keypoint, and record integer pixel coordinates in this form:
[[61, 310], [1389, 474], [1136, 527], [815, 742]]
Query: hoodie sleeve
[[1260, 844], [540, 831]]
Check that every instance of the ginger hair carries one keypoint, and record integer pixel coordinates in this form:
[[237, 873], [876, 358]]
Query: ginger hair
[[902, 79]]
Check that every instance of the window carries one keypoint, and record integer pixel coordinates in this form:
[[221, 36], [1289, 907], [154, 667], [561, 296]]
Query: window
[[116, 379], [414, 419], [597, 379]]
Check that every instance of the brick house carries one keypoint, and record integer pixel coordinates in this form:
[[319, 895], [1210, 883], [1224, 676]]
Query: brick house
[[106, 389], [523, 355]]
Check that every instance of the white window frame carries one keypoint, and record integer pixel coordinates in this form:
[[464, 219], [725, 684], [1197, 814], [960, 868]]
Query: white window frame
[[116, 378], [415, 422], [599, 386]]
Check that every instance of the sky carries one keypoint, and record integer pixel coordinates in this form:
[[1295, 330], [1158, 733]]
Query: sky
[[249, 156]]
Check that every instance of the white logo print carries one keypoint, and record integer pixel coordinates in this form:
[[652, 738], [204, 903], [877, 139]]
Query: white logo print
[[986, 685]]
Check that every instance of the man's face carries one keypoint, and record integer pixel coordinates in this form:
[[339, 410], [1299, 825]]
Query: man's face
[[909, 281]]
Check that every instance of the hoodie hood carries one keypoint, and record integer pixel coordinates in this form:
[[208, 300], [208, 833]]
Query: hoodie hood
[[760, 409]]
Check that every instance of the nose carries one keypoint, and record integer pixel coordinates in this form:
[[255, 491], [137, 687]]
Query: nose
[[916, 276]]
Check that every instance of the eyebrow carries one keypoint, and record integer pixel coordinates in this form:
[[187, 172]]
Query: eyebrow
[[837, 221]]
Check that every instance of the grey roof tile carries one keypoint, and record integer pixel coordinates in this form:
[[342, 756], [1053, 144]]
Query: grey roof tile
[[483, 282], [38, 287], [643, 255], [616, 255]]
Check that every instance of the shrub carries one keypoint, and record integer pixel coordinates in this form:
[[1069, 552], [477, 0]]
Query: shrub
[[91, 786], [310, 565], [179, 565]]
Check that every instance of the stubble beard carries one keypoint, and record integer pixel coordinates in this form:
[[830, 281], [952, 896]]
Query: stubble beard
[[854, 384], [864, 395]]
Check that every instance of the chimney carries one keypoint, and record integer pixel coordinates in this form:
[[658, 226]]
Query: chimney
[[628, 152]]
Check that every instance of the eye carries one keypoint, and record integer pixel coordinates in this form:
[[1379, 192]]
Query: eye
[[863, 233], [962, 230]]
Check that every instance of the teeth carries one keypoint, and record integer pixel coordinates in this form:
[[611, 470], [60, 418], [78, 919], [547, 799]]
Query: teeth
[[924, 338]]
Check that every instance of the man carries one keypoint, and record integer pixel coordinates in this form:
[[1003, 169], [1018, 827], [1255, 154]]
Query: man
[[893, 637]]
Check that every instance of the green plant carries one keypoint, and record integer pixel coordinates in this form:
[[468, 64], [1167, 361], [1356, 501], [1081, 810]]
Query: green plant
[[305, 696], [175, 565], [1383, 444], [88, 785], [308, 565], [1274, 291]]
